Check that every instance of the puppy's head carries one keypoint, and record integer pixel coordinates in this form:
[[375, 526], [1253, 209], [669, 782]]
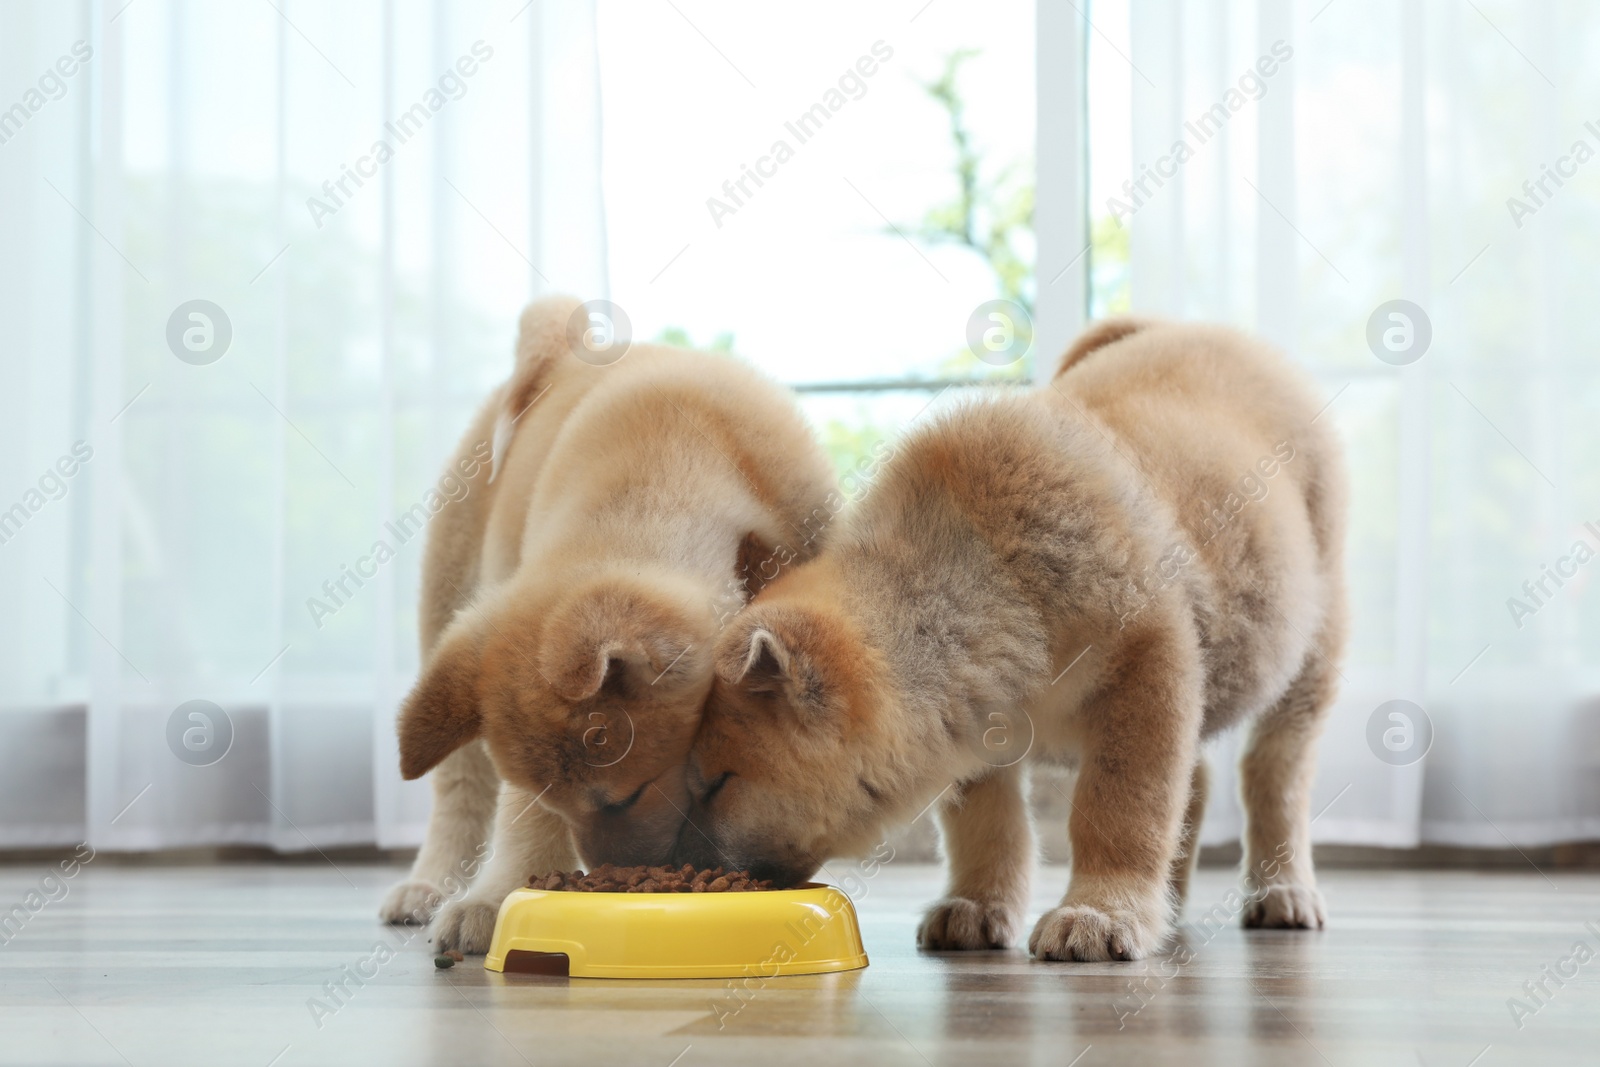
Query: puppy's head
[[591, 702], [798, 758]]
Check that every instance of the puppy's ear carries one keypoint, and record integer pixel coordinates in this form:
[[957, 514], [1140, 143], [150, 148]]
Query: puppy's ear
[[579, 667], [756, 659], [441, 712], [773, 650], [625, 636], [757, 563]]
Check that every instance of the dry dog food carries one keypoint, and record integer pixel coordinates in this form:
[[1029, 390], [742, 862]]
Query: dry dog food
[[607, 878]]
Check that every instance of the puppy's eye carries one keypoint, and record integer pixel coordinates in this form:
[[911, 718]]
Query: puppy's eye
[[716, 786], [624, 804]]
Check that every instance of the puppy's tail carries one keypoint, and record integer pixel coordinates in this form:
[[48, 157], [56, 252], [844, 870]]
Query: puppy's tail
[[541, 338], [1097, 336]]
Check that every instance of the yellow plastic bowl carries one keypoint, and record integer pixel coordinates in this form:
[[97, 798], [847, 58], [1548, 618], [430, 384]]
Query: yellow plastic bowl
[[810, 930]]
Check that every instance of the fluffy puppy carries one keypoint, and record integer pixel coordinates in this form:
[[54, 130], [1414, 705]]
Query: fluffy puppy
[[570, 601], [1101, 573]]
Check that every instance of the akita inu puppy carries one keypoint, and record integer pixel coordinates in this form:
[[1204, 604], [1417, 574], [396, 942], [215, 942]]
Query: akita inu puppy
[[1101, 573], [571, 599]]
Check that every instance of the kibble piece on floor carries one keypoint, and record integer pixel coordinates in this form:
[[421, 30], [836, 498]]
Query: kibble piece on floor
[[607, 878], [442, 962]]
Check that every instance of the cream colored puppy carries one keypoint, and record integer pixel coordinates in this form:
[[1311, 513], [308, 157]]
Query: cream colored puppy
[[1101, 573], [571, 599]]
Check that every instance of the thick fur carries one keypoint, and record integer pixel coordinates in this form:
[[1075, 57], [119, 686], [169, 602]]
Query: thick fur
[[1101, 573], [570, 603]]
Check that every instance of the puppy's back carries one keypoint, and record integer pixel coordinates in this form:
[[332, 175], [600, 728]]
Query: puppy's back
[[1197, 407], [687, 420], [1224, 429]]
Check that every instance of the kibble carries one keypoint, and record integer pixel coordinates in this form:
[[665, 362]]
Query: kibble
[[608, 878]]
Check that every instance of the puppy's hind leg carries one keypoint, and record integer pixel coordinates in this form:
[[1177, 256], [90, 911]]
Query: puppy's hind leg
[[464, 788], [1183, 863], [988, 842], [1275, 777], [528, 840]]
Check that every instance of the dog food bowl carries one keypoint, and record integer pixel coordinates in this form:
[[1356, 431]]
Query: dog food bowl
[[810, 930]]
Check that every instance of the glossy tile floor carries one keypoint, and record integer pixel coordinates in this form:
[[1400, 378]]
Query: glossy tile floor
[[221, 965]]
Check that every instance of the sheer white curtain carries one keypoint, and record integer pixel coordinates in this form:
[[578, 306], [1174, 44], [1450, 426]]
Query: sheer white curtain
[[1367, 152], [171, 151], [362, 195]]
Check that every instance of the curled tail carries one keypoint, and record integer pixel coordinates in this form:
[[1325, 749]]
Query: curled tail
[[1097, 336], [541, 338]]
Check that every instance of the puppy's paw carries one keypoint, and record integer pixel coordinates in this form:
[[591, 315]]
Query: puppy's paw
[[1292, 906], [959, 924], [1078, 932], [466, 925], [411, 903]]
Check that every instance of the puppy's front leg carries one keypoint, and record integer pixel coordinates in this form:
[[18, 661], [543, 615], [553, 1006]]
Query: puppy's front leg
[[989, 843], [464, 788], [528, 840], [1140, 735]]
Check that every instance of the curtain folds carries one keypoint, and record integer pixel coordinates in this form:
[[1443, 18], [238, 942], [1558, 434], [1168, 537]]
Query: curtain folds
[[260, 262], [258, 265], [1338, 157]]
